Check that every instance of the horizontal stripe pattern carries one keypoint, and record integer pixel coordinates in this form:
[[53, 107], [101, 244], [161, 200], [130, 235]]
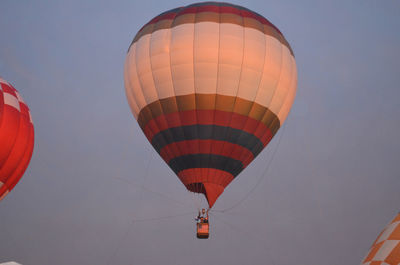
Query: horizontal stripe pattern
[[212, 6], [207, 132], [209, 181], [205, 175], [215, 17], [190, 140], [209, 84], [208, 58], [222, 148], [220, 103], [212, 12], [207, 117], [224, 163]]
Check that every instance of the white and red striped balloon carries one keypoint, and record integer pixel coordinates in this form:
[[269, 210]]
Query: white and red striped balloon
[[16, 137]]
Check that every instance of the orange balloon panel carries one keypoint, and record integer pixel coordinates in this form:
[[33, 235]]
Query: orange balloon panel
[[386, 248], [209, 84], [16, 137]]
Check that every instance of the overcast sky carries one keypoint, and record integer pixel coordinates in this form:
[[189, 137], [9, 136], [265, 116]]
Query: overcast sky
[[331, 187]]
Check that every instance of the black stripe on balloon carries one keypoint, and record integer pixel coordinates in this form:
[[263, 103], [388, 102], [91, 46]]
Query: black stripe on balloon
[[219, 4], [207, 132], [179, 9], [225, 163], [174, 10]]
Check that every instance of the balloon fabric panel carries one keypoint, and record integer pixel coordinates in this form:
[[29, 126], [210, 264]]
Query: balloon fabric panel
[[386, 248]]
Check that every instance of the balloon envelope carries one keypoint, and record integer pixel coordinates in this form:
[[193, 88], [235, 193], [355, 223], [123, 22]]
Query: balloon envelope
[[16, 137], [386, 248], [209, 84]]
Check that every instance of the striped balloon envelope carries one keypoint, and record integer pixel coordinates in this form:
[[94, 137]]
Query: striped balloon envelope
[[16, 137], [210, 84], [386, 248]]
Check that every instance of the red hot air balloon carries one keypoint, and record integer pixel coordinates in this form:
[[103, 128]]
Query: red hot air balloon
[[210, 84], [16, 137]]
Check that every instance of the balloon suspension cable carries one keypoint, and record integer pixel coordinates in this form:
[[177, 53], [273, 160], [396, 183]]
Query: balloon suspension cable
[[162, 217], [245, 233], [125, 235], [262, 176], [195, 198], [197, 195], [142, 186], [162, 195]]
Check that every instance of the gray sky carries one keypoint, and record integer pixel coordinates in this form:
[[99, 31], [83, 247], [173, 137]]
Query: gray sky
[[332, 185]]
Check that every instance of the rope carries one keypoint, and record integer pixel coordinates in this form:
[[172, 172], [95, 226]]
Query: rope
[[259, 179], [125, 236], [142, 187], [162, 217], [123, 240], [145, 175], [152, 191], [195, 198], [235, 228]]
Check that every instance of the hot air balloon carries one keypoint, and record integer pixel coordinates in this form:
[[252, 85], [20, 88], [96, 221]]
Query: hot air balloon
[[386, 248], [16, 137], [210, 84]]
